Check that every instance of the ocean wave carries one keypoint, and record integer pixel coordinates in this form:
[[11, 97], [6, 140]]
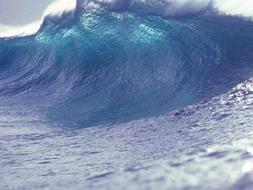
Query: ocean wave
[[172, 8], [58, 10], [110, 66], [129, 95]]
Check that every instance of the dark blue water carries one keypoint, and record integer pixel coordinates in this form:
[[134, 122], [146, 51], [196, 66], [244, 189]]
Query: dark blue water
[[110, 98]]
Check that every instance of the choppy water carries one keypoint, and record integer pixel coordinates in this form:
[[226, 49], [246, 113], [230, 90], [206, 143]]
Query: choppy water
[[129, 95], [204, 146]]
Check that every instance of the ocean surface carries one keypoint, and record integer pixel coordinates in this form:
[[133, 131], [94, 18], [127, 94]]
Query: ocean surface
[[128, 94]]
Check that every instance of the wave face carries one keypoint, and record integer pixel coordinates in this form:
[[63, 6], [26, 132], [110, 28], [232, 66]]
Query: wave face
[[116, 61]]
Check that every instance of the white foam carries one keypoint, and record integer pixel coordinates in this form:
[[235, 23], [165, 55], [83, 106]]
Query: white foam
[[235, 7], [171, 8], [59, 7], [29, 29], [181, 7], [228, 7]]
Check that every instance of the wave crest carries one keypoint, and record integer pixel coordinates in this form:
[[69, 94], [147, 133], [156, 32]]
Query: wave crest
[[165, 8], [107, 66], [174, 8]]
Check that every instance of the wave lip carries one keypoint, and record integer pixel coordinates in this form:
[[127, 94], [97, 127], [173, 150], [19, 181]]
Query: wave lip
[[108, 66], [174, 8], [236, 7], [165, 8]]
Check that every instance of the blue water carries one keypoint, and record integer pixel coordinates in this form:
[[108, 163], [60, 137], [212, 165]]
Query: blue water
[[128, 99]]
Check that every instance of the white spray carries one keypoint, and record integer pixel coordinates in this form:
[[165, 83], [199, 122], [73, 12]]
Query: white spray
[[172, 8]]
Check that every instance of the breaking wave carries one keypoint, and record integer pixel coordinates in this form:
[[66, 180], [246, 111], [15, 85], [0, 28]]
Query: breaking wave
[[165, 8], [109, 61]]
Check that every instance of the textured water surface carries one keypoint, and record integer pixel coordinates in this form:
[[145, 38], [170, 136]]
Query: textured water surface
[[129, 95], [208, 145]]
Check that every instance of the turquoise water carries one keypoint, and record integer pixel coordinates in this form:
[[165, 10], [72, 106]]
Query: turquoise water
[[128, 99]]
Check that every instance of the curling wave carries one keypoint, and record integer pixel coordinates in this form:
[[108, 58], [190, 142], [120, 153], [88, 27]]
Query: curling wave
[[165, 8], [112, 61]]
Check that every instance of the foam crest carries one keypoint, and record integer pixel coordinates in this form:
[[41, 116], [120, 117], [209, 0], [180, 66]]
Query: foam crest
[[167, 8], [59, 8], [173, 8], [235, 7], [19, 31], [229, 7]]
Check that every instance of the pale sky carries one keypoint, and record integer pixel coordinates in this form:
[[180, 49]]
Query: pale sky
[[19, 12]]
